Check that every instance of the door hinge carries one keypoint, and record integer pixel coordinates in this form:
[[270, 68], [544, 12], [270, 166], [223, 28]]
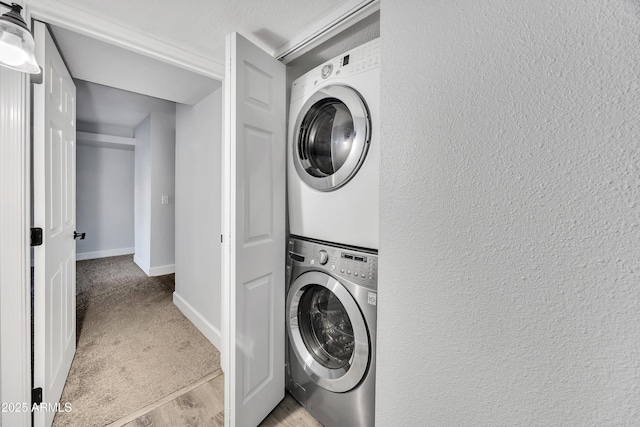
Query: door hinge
[[221, 241], [36, 236], [36, 396]]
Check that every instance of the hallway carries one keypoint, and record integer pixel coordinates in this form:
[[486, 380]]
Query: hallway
[[134, 346]]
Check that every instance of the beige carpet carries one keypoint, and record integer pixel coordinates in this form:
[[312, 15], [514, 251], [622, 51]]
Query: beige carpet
[[134, 346]]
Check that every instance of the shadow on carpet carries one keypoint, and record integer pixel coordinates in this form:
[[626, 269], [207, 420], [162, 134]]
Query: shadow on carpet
[[134, 346]]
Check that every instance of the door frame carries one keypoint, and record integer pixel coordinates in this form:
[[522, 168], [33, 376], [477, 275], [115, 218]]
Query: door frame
[[15, 174], [15, 271]]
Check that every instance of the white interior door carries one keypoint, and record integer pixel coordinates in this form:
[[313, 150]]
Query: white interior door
[[255, 153], [54, 204]]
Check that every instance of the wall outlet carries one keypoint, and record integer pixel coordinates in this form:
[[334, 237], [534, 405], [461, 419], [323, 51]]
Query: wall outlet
[[165, 200]]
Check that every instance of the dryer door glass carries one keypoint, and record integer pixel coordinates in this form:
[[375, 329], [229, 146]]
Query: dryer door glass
[[326, 137], [332, 137], [325, 326]]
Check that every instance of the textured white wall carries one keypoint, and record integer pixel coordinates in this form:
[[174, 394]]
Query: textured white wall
[[142, 202], [104, 198], [198, 209], [510, 225]]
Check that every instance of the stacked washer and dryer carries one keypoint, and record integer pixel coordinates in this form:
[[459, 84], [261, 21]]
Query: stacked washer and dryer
[[333, 181]]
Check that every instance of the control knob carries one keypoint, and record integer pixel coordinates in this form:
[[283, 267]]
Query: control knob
[[324, 257], [326, 71]]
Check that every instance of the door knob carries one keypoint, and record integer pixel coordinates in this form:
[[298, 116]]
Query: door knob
[[80, 235]]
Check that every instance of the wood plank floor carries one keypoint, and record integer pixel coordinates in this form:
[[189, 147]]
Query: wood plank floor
[[203, 406]]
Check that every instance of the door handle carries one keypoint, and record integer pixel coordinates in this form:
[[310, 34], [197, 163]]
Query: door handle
[[80, 235]]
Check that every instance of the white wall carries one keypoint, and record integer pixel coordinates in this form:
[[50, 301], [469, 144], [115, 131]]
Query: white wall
[[198, 209], [154, 178], [105, 198], [163, 160], [510, 230], [142, 204], [104, 128]]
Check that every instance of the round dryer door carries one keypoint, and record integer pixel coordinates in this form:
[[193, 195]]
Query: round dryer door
[[332, 137], [327, 332]]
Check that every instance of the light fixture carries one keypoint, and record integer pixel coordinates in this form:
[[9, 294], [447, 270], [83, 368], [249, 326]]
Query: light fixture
[[17, 48]]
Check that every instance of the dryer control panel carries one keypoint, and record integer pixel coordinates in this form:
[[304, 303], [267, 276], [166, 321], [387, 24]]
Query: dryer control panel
[[355, 265], [358, 60]]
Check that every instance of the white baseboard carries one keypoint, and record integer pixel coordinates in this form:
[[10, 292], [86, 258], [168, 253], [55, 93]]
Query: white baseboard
[[144, 266], [162, 270], [203, 325], [81, 256]]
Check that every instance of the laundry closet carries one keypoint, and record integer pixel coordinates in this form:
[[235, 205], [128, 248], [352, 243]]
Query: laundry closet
[[275, 246], [333, 157]]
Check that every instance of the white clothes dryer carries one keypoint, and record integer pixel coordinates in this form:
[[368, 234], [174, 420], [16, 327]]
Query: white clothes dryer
[[334, 150]]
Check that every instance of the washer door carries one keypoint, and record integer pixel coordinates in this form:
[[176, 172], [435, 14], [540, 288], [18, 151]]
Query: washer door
[[327, 332], [331, 137]]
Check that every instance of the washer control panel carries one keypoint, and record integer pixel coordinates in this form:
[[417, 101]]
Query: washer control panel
[[354, 265]]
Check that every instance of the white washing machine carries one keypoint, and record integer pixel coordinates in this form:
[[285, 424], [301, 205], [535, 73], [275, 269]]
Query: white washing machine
[[334, 150], [331, 318]]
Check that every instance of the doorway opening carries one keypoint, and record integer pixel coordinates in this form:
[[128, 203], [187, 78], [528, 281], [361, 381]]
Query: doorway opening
[[131, 337]]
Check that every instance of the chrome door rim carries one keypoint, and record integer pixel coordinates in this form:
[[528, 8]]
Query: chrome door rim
[[362, 127], [336, 380]]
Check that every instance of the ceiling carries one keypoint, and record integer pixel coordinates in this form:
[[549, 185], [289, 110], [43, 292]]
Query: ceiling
[[107, 105], [200, 26], [199, 29], [99, 62]]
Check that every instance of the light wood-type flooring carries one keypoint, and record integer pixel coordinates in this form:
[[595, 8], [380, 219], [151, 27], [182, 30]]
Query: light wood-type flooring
[[202, 404]]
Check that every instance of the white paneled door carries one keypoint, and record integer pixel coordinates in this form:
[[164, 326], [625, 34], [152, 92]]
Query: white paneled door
[[255, 149], [54, 205]]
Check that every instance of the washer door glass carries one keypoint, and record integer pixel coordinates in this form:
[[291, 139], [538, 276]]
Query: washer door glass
[[332, 137], [327, 332], [326, 329]]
